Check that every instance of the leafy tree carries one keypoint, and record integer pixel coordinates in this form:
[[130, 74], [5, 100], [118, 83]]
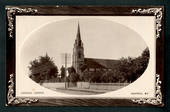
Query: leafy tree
[[86, 76], [142, 63], [132, 68], [63, 73], [42, 69], [95, 76], [71, 70], [73, 76]]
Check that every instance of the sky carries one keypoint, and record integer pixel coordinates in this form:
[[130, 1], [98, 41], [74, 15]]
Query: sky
[[101, 38]]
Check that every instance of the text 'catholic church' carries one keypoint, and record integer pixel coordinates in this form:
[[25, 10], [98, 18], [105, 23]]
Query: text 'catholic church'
[[80, 63]]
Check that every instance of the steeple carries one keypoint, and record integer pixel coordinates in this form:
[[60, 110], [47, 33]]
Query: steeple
[[78, 37], [78, 52], [78, 33]]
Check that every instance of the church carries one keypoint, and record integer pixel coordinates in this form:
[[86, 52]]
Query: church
[[91, 64]]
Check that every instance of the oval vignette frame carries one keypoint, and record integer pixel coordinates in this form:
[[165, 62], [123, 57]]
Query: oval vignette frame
[[30, 38], [12, 11]]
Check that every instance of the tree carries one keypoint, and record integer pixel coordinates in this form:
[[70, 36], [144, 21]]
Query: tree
[[73, 76], [63, 73], [133, 68], [127, 69], [141, 63], [96, 76], [42, 69], [86, 76]]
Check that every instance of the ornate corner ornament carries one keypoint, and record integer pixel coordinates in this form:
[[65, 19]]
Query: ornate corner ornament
[[157, 12], [11, 11], [158, 95], [14, 100]]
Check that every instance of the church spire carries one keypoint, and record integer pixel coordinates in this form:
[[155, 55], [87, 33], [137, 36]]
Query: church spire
[[78, 33], [78, 38]]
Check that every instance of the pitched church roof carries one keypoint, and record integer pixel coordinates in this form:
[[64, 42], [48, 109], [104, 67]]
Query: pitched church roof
[[100, 63]]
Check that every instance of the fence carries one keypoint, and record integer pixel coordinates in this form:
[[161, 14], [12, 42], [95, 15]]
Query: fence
[[101, 86], [85, 85], [55, 85], [52, 81]]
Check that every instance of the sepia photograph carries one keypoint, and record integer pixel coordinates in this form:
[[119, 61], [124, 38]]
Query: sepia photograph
[[83, 56], [69, 57]]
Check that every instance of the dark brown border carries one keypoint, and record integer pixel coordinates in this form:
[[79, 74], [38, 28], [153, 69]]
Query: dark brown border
[[84, 11]]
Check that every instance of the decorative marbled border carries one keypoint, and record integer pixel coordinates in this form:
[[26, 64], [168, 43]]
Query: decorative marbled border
[[12, 11]]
